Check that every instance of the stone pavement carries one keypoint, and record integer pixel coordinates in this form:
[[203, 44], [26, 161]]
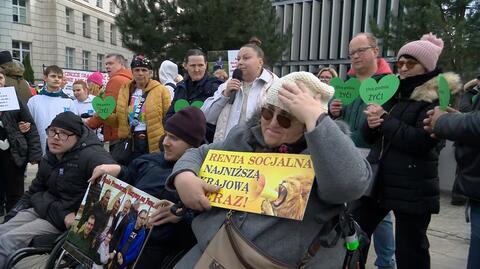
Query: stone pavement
[[448, 233]]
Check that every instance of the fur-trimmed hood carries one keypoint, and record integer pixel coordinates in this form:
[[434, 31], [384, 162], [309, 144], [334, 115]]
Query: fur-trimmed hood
[[14, 69], [469, 85], [428, 91]]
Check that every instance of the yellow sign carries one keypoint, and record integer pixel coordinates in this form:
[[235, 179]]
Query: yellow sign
[[273, 184]]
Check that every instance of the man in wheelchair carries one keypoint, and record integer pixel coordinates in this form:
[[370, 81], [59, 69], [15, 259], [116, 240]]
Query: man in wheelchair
[[49, 206]]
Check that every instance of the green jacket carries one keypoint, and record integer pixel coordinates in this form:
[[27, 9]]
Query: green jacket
[[354, 116]]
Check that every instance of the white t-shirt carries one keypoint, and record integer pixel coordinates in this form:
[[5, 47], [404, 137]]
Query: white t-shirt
[[134, 102], [80, 108], [44, 109]]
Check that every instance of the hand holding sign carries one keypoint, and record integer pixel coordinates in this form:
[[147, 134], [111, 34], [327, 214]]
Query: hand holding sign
[[182, 103], [379, 93], [346, 91], [104, 107], [443, 92]]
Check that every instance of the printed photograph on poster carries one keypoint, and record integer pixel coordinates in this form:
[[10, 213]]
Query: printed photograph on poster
[[273, 184], [111, 225], [222, 59]]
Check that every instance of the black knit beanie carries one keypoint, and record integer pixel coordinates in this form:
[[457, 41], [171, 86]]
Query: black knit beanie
[[5, 57], [68, 121], [141, 61], [188, 124]]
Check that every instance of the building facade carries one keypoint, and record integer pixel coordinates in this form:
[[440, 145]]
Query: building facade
[[322, 29], [74, 34]]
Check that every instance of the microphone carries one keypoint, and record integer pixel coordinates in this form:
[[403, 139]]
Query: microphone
[[237, 74]]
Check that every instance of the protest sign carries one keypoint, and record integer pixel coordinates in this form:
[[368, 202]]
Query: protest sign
[[104, 107], [443, 92], [346, 91], [8, 99], [71, 75], [222, 59], [380, 92], [271, 184], [111, 226]]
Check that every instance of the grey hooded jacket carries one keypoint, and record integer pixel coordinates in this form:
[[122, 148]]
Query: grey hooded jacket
[[342, 175]]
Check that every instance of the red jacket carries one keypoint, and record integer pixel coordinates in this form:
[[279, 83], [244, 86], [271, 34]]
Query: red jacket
[[113, 87]]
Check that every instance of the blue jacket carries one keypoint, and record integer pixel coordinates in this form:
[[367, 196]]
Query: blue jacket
[[134, 249]]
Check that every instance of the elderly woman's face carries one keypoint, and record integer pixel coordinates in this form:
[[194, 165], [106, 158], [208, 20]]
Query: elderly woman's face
[[409, 68], [279, 127]]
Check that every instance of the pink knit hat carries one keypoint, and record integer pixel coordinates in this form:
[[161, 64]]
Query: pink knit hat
[[426, 50], [96, 77]]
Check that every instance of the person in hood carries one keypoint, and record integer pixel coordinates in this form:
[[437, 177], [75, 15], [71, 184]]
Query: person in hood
[[168, 72], [292, 120], [49, 205], [118, 75], [14, 76], [407, 181], [196, 86], [141, 109]]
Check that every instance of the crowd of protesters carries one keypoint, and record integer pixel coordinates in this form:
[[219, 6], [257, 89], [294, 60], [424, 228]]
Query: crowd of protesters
[[380, 160]]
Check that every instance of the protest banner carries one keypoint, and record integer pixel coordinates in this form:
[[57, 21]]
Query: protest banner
[[8, 99], [72, 75], [271, 184], [222, 59], [111, 225]]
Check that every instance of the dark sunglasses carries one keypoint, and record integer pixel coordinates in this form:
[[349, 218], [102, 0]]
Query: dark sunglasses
[[409, 64], [283, 120]]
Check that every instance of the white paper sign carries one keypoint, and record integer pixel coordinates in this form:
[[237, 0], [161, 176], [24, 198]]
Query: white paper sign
[[8, 99]]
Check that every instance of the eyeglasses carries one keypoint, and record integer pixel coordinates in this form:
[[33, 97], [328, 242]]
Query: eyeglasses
[[283, 120], [360, 51], [324, 78], [409, 64], [61, 135]]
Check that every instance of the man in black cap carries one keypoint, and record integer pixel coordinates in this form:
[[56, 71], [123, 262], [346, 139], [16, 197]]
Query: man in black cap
[[14, 76], [49, 206]]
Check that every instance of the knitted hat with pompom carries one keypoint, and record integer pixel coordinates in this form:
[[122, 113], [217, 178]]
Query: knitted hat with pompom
[[426, 50]]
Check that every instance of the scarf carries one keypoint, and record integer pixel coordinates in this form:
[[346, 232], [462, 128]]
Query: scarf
[[58, 93]]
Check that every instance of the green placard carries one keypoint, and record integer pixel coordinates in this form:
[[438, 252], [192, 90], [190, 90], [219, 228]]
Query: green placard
[[103, 107], [346, 91], [182, 103], [379, 93], [443, 92]]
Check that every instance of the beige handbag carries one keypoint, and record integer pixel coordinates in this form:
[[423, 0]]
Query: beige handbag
[[229, 249]]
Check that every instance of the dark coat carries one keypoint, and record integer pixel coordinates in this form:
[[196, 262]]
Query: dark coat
[[60, 185], [23, 147], [464, 129], [407, 179], [195, 91]]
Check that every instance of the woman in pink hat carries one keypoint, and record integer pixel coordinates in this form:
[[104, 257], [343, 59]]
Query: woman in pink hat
[[95, 83]]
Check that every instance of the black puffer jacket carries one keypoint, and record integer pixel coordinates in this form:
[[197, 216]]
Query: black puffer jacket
[[23, 147], [195, 91], [407, 179], [464, 129], [60, 185]]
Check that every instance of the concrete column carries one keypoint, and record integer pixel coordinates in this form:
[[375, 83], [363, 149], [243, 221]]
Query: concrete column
[[296, 31], [382, 9], [368, 15], [315, 31], [304, 40], [357, 17], [335, 30], [287, 22], [325, 29], [393, 13], [345, 39]]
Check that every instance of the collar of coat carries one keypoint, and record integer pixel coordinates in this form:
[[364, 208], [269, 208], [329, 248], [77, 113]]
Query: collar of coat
[[428, 91]]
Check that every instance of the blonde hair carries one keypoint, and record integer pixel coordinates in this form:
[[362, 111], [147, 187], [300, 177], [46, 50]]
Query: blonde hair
[[94, 89], [221, 74], [328, 69]]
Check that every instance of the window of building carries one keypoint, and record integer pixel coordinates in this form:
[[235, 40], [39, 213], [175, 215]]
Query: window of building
[[85, 60], [100, 30], [69, 17], [100, 3], [113, 34], [69, 57], [112, 7], [100, 62], [86, 25], [19, 11], [20, 50]]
